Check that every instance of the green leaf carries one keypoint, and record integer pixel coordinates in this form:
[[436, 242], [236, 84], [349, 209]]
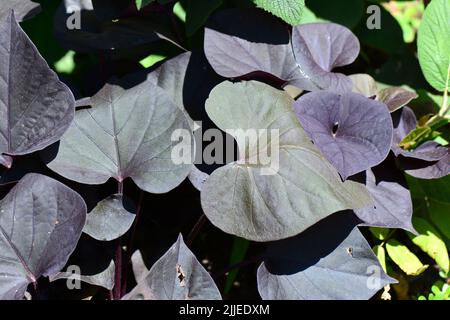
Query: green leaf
[[379, 233], [404, 258], [179, 11], [240, 247], [142, 3], [151, 60], [347, 13], [418, 136], [432, 197], [288, 10], [430, 242], [434, 45], [381, 255], [197, 12]]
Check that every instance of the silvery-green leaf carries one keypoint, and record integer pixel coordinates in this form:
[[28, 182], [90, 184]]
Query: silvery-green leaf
[[197, 178], [293, 190], [329, 261], [35, 107], [109, 220], [40, 225], [126, 133], [139, 267], [176, 276], [364, 84], [103, 279]]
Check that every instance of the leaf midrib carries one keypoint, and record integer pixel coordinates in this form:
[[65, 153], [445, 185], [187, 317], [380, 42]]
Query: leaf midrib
[[29, 273]]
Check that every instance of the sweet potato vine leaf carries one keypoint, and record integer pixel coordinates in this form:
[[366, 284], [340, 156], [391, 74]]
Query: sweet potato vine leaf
[[110, 219], [40, 224], [175, 276], [311, 266], [353, 132], [126, 133], [263, 45], [35, 107], [281, 196], [392, 205], [23, 9]]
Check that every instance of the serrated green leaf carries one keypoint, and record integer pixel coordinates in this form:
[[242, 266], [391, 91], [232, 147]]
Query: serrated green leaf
[[404, 258], [434, 45], [288, 10], [430, 242]]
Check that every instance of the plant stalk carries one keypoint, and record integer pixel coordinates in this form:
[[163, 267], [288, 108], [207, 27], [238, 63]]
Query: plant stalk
[[196, 229]]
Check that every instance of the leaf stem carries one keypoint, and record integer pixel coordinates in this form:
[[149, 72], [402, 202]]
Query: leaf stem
[[117, 291], [196, 229], [445, 108], [130, 245], [244, 263]]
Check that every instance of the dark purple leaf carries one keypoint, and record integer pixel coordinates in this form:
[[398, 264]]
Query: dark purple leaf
[[96, 33], [126, 134], [35, 107], [353, 132], [392, 207], [318, 49], [40, 224], [330, 260], [110, 219], [247, 42], [176, 276], [396, 97], [6, 161], [23, 9], [241, 42], [427, 170]]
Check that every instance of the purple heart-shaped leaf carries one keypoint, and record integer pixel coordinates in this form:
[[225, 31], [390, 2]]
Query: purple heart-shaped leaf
[[35, 107], [311, 266], [318, 49], [392, 205], [249, 42], [353, 132], [40, 225]]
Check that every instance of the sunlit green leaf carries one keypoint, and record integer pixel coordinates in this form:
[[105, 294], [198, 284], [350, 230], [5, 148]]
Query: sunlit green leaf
[[430, 242], [288, 10], [404, 258]]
